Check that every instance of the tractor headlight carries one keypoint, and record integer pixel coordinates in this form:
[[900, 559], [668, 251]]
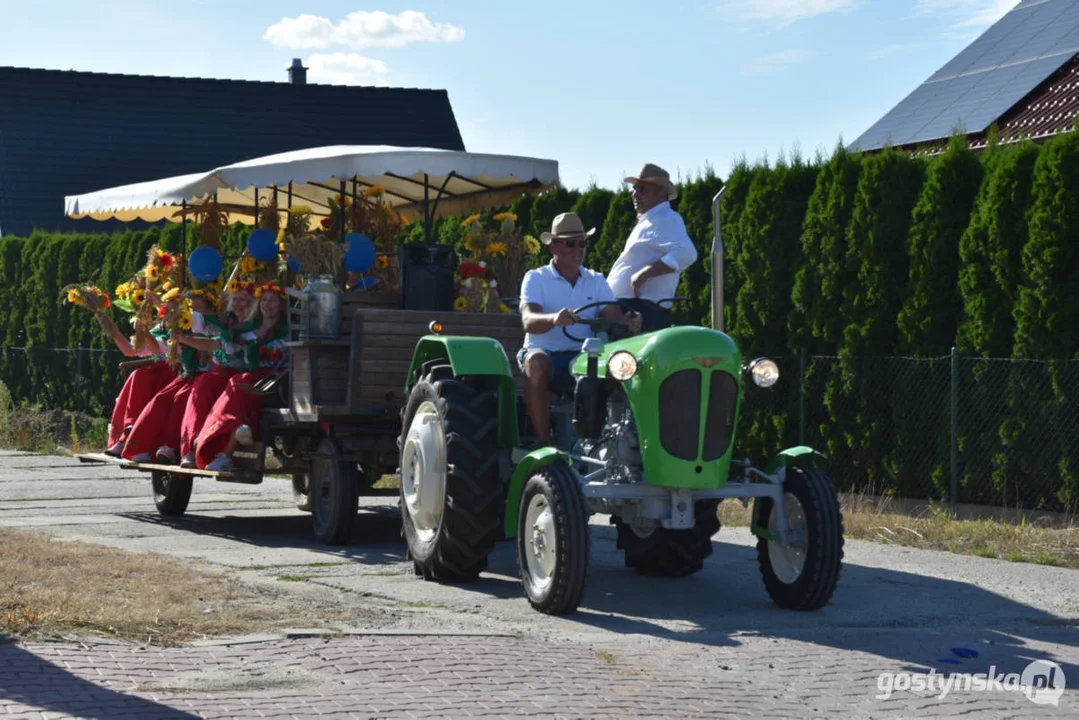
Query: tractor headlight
[[622, 366], [765, 372]]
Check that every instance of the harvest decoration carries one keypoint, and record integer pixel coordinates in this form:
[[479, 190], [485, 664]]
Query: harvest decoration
[[498, 262], [87, 295]]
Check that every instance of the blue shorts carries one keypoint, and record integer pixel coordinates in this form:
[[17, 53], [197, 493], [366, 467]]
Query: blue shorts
[[561, 360]]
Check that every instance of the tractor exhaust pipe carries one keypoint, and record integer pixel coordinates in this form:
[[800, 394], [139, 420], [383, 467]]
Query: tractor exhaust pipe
[[717, 263]]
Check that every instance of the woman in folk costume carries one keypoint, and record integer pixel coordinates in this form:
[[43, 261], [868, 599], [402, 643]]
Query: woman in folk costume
[[155, 434], [228, 358], [236, 406], [139, 388]]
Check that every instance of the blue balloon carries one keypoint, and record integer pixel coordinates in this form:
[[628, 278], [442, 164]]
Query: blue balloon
[[262, 245], [205, 264], [360, 254], [365, 283], [294, 265]]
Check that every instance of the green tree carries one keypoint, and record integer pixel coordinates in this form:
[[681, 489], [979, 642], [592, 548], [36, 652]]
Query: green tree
[[619, 223], [694, 204]]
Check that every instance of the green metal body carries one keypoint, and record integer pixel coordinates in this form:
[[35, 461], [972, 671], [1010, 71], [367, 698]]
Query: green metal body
[[476, 357], [659, 355]]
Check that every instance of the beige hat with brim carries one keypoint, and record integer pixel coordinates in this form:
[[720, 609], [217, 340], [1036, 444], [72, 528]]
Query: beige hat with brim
[[657, 176], [565, 226]]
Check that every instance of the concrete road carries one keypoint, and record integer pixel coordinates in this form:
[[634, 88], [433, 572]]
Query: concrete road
[[709, 645]]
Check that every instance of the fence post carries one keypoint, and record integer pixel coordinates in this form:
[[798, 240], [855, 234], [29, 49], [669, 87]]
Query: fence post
[[954, 499], [803, 362]]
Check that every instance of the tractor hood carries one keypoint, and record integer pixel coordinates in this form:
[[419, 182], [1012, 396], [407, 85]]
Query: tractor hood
[[665, 351]]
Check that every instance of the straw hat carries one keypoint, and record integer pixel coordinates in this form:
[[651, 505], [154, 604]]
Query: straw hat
[[657, 176], [564, 226]]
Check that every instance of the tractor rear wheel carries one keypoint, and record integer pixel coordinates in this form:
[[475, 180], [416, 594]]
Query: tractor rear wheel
[[804, 574], [451, 493], [670, 553]]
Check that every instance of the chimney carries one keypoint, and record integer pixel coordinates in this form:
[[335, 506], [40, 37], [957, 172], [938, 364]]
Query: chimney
[[297, 74]]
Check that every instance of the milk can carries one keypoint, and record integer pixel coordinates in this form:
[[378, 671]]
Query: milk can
[[323, 301]]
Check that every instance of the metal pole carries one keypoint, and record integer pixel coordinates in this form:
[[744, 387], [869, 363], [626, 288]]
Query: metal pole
[[344, 190], [256, 208], [955, 432], [426, 210], [183, 242], [717, 263]]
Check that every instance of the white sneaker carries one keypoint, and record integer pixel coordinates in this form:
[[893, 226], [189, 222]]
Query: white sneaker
[[166, 455], [142, 458], [221, 463], [188, 460]]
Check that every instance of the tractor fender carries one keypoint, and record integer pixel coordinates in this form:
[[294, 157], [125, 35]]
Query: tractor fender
[[799, 456], [521, 473], [474, 356]]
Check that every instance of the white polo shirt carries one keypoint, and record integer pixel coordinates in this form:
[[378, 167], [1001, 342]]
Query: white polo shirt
[[546, 287], [660, 235]]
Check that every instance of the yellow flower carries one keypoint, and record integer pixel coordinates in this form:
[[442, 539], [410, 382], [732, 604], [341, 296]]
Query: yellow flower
[[532, 245], [186, 321], [233, 286], [73, 297], [152, 272], [375, 191], [300, 210], [468, 221], [167, 285], [404, 221], [382, 262], [281, 239], [503, 308], [472, 244], [460, 304], [498, 248], [247, 265], [138, 295], [504, 216], [170, 295]]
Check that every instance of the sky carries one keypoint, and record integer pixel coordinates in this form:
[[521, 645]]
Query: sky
[[601, 87]]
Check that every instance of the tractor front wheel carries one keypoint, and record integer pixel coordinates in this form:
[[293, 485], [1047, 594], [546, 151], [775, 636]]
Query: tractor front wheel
[[172, 492], [552, 540], [804, 574], [670, 553], [451, 493]]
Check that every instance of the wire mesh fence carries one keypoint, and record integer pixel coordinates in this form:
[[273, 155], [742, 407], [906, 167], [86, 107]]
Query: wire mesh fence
[[950, 429]]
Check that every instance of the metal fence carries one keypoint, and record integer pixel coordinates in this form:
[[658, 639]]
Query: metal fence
[[951, 429]]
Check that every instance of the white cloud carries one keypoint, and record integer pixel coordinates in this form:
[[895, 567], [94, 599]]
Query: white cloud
[[346, 69], [783, 12], [777, 61], [966, 13], [360, 30]]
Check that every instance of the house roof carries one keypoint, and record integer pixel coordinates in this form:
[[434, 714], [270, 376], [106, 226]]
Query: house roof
[[67, 132], [1006, 64]]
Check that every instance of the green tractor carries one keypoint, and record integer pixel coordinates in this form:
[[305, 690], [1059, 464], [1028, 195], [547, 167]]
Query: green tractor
[[645, 436]]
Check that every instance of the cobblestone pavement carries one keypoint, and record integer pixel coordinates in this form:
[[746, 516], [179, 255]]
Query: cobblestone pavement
[[708, 646]]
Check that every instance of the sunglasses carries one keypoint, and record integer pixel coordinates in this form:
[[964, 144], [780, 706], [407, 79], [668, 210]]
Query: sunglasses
[[582, 242]]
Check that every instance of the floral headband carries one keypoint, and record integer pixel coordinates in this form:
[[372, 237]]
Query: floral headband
[[269, 287], [236, 286], [208, 296]]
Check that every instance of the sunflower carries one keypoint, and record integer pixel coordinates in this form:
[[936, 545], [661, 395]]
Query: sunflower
[[498, 248], [472, 244], [248, 265], [532, 245], [138, 295], [186, 321], [153, 272], [300, 210], [382, 262], [233, 287], [460, 304], [504, 216], [170, 294], [73, 297], [468, 221], [375, 191]]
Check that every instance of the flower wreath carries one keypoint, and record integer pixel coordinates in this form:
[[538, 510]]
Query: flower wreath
[[269, 287], [207, 295], [236, 286]]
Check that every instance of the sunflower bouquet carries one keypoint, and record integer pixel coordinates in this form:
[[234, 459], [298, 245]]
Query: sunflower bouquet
[[499, 259], [87, 295]]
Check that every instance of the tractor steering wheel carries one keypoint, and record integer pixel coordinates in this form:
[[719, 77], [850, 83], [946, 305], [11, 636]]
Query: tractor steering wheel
[[599, 324]]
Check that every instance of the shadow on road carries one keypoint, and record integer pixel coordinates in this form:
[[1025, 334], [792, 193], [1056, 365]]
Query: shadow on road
[[34, 681]]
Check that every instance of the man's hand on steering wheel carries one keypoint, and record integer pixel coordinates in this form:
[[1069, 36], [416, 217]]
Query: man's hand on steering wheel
[[566, 317], [602, 324]]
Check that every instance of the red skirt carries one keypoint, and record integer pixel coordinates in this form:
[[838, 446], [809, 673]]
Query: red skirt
[[205, 391], [159, 422], [139, 388], [231, 410]]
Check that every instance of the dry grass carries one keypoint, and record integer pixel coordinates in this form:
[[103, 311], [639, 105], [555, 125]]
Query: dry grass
[[934, 529], [59, 588]]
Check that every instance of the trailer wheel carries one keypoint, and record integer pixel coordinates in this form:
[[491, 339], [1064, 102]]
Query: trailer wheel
[[451, 494], [172, 492], [332, 493]]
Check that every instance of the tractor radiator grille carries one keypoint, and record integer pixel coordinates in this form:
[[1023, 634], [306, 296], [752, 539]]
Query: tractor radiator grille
[[719, 425], [679, 414]]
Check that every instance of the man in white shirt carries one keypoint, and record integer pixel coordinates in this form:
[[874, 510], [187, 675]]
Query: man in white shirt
[[548, 296], [656, 252]]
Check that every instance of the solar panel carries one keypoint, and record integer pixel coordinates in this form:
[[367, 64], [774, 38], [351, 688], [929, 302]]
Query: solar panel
[[986, 79]]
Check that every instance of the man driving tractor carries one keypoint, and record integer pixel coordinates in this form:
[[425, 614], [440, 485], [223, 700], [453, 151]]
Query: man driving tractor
[[548, 295]]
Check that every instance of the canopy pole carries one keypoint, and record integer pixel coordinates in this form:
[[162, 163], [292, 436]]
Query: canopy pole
[[344, 191], [426, 209], [289, 194], [452, 174], [183, 242], [256, 208]]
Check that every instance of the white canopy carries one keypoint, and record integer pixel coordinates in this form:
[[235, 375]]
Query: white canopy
[[452, 183]]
